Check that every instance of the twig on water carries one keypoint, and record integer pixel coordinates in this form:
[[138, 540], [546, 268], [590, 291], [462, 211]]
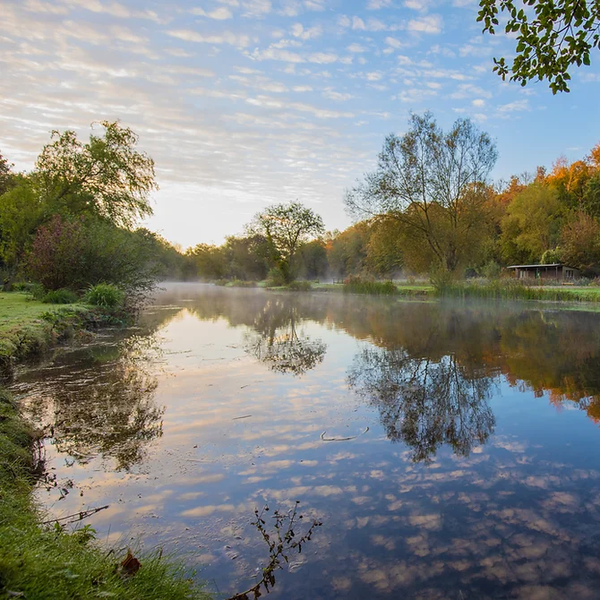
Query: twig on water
[[280, 542], [78, 516]]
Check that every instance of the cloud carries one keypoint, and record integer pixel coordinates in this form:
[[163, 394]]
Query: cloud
[[300, 32], [430, 24], [220, 14], [256, 8], [225, 37], [356, 48], [378, 4], [516, 106]]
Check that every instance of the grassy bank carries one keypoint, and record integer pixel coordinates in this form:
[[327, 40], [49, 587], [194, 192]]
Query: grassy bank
[[29, 327], [513, 290], [45, 561], [491, 290]]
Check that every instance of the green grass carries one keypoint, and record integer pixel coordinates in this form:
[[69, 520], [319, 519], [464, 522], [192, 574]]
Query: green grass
[[41, 562], [29, 327], [514, 290], [18, 310]]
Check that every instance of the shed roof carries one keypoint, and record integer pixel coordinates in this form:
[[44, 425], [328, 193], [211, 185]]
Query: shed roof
[[535, 266], [552, 265]]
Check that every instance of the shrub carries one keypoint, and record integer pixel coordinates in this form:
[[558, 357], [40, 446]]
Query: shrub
[[86, 252], [491, 270], [300, 286], [275, 278], [105, 295], [242, 284], [62, 296]]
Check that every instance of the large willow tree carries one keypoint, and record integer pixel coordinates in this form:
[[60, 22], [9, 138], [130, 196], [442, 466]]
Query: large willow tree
[[433, 183]]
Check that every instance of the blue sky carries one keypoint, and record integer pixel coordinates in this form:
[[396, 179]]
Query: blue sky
[[244, 103]]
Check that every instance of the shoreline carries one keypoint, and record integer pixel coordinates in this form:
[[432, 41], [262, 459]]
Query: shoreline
[[493, 291], [44, 559]]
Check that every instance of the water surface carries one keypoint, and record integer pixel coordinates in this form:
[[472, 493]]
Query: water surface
[[451, 450]]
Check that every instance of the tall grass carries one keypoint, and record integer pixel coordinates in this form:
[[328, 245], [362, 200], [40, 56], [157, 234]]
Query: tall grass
[[357, 285], [515, 290]]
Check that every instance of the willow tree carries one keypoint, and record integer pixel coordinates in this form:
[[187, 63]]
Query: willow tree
[[107, 176], [286, 227], [434, 184]]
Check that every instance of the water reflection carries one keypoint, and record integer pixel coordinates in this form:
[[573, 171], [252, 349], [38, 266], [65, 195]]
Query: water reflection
[[100, 401], [502, 501], [425, 403], [277, 339], [428, 368]]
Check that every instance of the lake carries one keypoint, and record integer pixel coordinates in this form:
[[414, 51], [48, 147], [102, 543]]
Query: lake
[[451, 450]]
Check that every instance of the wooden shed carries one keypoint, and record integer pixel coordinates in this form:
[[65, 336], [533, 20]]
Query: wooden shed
[[555, 271]]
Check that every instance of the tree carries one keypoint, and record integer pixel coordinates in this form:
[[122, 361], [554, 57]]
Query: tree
[[552, 36], [347, 251], [432, 182], [210, 261], [246, 257], [384, 253], [532, 224], [77, 253], [6, 175], [21, 212], [286, 227], [580, 243], [107, 177], [314, 263]]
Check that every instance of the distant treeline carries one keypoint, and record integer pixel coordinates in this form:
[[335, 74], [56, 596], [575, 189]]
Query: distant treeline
[[427, 209]]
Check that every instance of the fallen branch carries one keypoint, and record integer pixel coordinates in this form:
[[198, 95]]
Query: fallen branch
[[79, 516], [346, 439]]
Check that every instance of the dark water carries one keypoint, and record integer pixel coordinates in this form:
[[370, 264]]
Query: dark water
[[451, 451]]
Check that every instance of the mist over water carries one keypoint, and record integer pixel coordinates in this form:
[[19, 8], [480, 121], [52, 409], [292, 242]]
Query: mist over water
[[451, 450]]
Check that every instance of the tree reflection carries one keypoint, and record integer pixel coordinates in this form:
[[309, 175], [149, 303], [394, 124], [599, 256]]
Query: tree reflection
[[279, 341], [110, 412], [425, 403]]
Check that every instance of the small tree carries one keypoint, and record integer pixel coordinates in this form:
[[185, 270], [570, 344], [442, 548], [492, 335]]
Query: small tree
[[286, 227]]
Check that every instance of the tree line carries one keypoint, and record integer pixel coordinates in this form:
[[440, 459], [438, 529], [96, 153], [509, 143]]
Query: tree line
[[428, 208]]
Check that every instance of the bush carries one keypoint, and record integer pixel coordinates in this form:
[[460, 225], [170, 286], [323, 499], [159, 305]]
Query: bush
[[242, 284], [491, 270], [105, 295], [85, 252], [357, 285], [275, 278], [300, 286], [62, 296]]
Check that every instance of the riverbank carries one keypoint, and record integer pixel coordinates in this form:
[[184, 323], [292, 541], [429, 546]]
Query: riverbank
[[49, 560], [29, 327], [491, 290]]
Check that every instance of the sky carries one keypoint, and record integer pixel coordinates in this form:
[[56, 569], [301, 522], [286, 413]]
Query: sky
[[246, 103]]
